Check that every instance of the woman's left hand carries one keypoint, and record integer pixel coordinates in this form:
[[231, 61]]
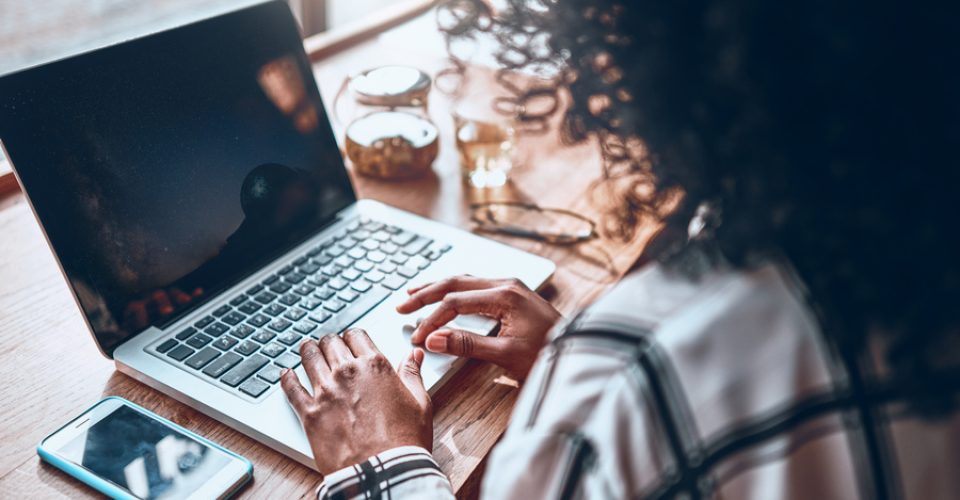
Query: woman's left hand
[[360, 406]]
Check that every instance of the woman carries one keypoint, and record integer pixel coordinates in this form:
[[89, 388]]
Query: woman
[[798, 333]]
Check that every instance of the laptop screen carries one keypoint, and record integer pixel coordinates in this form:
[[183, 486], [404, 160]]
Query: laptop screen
[[167, 168]]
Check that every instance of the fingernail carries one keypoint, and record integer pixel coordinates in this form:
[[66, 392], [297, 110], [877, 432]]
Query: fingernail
[[418, 355], [437, 343]]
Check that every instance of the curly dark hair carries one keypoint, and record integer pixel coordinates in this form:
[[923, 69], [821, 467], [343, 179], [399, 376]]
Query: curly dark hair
[[822, 131]]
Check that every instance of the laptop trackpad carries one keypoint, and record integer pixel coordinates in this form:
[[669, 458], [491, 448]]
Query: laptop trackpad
[[475, 323]]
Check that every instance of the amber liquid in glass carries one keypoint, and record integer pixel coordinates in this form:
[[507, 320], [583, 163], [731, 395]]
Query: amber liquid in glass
[[486, 152]]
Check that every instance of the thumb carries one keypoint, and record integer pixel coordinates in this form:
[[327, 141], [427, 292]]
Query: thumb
[[465, 344], [410, 376]]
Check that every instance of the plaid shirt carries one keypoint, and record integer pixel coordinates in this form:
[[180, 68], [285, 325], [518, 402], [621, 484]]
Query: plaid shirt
[[719, 387]]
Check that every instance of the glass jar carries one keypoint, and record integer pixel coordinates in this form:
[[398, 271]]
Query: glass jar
[[389, 134]]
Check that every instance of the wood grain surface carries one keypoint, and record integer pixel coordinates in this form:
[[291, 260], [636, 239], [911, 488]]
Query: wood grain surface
[[51, 369]]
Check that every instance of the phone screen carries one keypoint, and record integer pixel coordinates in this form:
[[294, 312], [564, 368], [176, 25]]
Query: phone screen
[[144, 456]]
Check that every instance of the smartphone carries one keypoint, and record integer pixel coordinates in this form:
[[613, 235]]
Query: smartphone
[[126, 451]]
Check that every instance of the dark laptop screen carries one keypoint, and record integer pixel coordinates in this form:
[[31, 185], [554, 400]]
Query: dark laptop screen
[[166, 168]]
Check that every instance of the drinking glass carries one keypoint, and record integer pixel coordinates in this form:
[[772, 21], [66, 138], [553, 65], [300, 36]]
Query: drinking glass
[[485, 141]]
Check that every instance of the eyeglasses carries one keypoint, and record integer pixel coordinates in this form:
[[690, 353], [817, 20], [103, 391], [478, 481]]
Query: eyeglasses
[[552, 225]]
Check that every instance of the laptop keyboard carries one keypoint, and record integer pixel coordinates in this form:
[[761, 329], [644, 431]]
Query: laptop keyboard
[[244, 343]]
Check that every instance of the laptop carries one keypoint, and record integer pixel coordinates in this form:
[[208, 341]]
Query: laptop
[[193, 192]]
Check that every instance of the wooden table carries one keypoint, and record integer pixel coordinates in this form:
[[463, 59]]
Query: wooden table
[[51, 369]]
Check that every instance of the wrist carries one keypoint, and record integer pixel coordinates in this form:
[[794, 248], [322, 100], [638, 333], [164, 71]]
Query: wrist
[[381, 467]]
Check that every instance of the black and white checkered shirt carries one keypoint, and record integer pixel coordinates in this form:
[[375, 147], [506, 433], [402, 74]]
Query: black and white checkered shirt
[[720, 387]]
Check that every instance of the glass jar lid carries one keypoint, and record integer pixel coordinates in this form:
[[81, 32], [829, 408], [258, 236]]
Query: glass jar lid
[[386, 125], [392, 85]]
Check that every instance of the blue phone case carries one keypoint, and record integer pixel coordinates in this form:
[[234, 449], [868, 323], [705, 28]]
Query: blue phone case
[[110, 489]]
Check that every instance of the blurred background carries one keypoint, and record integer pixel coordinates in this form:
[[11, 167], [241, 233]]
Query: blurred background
[[36, 31], [33, 32]]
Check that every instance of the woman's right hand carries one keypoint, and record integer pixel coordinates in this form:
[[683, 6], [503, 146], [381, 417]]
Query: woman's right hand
[[525, 319]]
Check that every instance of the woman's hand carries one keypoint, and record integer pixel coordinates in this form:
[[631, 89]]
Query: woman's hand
[[525, 318], [360, 406]]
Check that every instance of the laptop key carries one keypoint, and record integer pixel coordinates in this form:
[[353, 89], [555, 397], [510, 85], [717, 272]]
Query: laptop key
[[225, 343], [185, 334], [234, 318], [255, 289], [242, 331], [333, 305], [239, 299], [388, 268], [264, 336], [180, 352], [295, 314], [352, 313], [331, 270], [338, 284], [324, 293], [288, 360], [348, 295], [309, 268], [204, 322], [269, 280], [394, 282], [350, 274], [320, 316], [309, 304], [169, 344], [389, 248], [249, 307], [258, 320], [299, 261], [278, 325], [361, 286], [270, 373], [275, 310], [355, 253], [265, 298], [289, 338], [403, 237], [217, 329], [254, 387], [220, 311], [376, 256], [247, 347], [306, 327], [242, 371], [322, 260], [407, 272], [200, 359], [363, 265], [416, 246], [418, 262], [273, 349], [304, 289], [375, 276], [199, 340], [280, 287], [294, 277], [290, 299], [222, 364]]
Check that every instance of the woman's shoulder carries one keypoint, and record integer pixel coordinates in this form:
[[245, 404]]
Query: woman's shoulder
[[699, 298]]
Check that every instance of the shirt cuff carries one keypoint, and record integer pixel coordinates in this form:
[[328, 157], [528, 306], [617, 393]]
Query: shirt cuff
[[380, 473]]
